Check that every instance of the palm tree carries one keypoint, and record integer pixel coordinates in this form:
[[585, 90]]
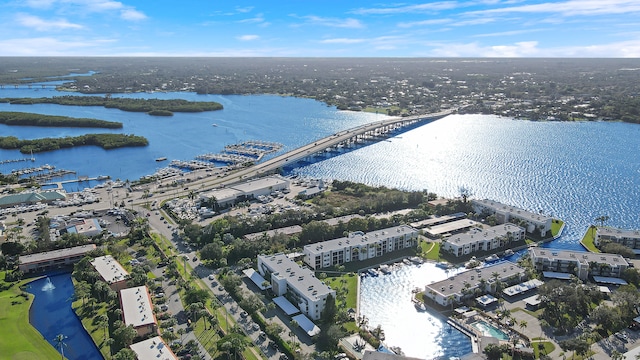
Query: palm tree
[[103, 321], [523, 325], [60, 344], [292, 333]]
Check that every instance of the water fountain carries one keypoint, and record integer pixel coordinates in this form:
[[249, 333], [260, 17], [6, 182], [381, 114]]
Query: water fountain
[[48, 286]]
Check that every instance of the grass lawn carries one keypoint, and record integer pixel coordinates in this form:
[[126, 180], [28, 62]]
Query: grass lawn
[[430, 250], [88, 321], [547, 348], [556, 225], [588, 240], [18, 339], [350, 284]]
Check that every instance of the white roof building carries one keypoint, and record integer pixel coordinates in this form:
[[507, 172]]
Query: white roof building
[[506, 213], [300, 284], [110, 271], [483, 239], [628, 238], [53, 259], [359, 246], [153, 349], [580, 263], [248, 189], [137, 309]]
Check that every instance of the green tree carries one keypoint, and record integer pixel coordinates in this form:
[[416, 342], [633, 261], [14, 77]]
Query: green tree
[[125, 354]]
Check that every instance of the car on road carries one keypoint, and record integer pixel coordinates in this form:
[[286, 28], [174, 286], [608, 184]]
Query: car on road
[[622, 336], [159, 295], [211, 277]]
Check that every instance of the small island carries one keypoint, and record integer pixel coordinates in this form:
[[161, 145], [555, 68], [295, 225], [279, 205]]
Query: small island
[[105, 141], [150, 106], [30, 119]]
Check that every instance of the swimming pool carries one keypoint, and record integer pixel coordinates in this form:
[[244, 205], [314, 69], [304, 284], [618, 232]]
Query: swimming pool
[[490, 330]]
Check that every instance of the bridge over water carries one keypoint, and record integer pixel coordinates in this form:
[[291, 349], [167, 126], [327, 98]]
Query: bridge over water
[[372, 131]]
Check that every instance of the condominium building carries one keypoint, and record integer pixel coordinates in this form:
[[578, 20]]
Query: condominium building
[[505, 213], [458, 287], [581, 264], [137, 310], [153, 349], [111, 272], [628, 238], [359, 246], [299, 285], [54, 259], [482, 239]]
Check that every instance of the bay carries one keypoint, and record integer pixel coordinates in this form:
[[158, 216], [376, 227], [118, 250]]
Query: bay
[[576, 171]]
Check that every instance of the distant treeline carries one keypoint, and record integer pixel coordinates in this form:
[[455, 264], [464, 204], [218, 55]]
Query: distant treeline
[[30, 119], [151, 106], [105, 141]]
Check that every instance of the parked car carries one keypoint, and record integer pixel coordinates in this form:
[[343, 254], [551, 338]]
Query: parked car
[[243, 314]]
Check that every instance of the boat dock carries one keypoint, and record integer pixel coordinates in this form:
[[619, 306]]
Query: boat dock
[[9, 161], [474, 338]]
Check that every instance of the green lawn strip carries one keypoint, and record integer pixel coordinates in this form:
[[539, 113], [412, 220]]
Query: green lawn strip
[[547, 348], [19, 340], [97, 334], [350, 285], [589, 238], [431, 250], [556, 225]]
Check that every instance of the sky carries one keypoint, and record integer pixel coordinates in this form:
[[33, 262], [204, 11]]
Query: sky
[[321, 28]]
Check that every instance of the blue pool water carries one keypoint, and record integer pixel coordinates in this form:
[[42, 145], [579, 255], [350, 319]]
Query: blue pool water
[[386, 301], [51, 314], [490, 330]]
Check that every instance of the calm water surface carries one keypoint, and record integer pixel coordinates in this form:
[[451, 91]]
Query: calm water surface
[[51, 314], [386, 301]]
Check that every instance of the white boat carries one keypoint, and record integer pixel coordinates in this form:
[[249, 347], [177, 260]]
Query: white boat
[[214, 125], [385, 269], [492, 257], [420, 306], [442, 265], [161, 159], [508, 252]]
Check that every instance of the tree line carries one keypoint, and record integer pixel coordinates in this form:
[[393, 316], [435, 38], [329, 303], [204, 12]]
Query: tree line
[[31, 119], [152, 106], [105, 141]]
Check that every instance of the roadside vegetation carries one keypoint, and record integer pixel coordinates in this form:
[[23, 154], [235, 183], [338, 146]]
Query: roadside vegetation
[[30, 119], [105, 141]]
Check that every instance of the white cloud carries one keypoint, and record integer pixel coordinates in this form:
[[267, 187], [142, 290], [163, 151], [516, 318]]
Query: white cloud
[[417, 8], [572, 8], [245, 9], [621, 49], [40, 24], [342, 41], [248, 37], [40, 4], [259, 18], [424, 23], [48, 46], [132, 15], [334, 22]]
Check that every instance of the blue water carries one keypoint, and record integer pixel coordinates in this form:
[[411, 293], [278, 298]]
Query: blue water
[[490, 330], [386, 300], [576, 171], [51, 314]]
